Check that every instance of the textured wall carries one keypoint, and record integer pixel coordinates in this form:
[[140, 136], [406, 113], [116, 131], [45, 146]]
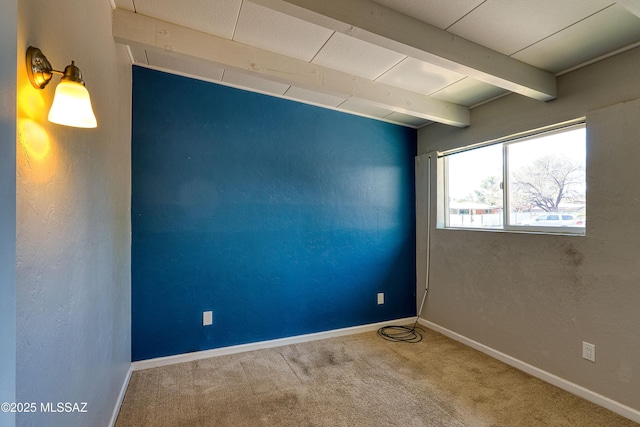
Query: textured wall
[[282, 218], [73, 220], [8, 34], [537, 297]]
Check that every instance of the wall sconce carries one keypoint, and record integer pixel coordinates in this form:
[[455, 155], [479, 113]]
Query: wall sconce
[[71, 103]]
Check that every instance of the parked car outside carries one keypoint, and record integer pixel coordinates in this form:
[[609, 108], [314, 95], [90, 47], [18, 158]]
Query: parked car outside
[[554, 220]]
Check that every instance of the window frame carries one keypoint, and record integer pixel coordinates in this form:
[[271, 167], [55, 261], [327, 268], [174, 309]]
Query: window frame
[[505, 219]]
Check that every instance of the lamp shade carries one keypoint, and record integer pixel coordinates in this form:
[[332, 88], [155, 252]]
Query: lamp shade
[[72, 106]]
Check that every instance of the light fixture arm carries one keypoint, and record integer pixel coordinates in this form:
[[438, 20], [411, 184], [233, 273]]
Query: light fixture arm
[[40, 70]]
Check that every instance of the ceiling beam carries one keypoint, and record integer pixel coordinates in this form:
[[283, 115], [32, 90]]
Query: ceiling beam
[[154, 34], [385, 27]]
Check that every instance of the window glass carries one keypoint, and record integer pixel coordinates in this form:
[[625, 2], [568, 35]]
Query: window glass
[[547, 174], [540, 179], [474, 188]]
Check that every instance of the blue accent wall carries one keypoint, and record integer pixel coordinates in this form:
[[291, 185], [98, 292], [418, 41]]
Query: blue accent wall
[[282, 218]]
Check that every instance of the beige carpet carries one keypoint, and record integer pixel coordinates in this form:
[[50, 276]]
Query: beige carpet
[[358, 380]]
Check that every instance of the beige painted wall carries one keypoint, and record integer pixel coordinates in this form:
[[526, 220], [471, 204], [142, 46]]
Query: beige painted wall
[[538, 297], [73, 239]]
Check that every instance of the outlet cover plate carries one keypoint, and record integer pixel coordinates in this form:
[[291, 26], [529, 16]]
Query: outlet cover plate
[[207, 318], [380, 298], [589, 351]]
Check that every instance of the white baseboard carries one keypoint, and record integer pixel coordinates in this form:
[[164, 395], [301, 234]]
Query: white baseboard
[[123, 390], [598, 399], [188, 357]]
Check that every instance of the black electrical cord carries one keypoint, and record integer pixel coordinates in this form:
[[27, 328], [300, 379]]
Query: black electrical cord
[[411, 334], [401, 333]]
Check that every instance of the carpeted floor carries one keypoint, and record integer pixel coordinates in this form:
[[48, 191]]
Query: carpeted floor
[[357, 380]]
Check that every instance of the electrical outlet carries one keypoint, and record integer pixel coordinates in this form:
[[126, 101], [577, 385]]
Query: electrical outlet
[[589, 351], [207, 318], [380, 298]]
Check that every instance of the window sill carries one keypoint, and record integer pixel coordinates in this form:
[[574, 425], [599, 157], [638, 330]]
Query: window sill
[[550, 231]]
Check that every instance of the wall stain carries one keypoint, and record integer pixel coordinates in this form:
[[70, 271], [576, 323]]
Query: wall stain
[[574, 257]]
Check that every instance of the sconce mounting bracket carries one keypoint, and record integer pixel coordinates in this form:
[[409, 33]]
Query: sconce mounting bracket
[[38, 68]]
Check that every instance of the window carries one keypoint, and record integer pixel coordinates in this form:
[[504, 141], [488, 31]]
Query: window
[[532, 183]]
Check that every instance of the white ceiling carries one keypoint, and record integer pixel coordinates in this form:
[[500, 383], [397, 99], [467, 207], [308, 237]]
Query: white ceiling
[[411, 62]]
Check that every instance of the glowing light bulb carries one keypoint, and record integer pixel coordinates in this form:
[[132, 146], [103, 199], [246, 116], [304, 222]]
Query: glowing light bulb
[[72, 106]]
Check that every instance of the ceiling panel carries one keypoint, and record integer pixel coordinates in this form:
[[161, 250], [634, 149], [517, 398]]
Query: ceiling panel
[[468, 92], [253, 82], [139, 54], [439, 13], [421, 77], [125, 4], [270, 30], [567, 48], [217, 17], [313, 97], [185, 65], [509, 26], [356, 57]]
